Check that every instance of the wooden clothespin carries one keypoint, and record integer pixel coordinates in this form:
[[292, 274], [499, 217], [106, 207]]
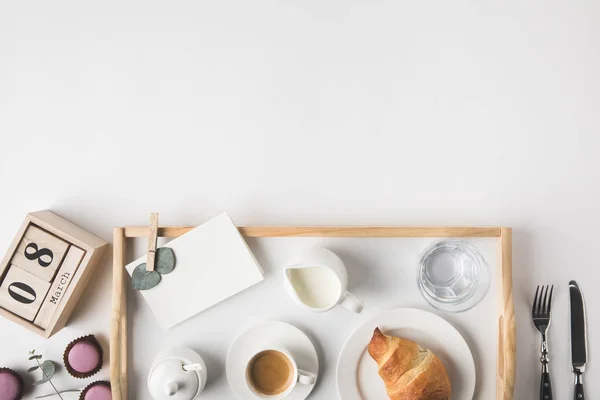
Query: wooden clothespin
[[152, 240]]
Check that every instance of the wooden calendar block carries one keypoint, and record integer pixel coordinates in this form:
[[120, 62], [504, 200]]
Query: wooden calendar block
[[40, 253], [22, 293], [73, 249], [59, 286]]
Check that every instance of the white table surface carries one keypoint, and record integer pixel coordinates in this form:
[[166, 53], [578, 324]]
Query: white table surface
[[339, 112]]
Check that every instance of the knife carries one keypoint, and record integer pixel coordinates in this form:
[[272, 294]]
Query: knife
[[578, 338]]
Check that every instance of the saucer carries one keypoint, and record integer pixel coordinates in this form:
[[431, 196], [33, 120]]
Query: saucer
[[270, 333]]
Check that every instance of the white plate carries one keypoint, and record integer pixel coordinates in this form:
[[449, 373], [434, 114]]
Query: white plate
[[270, 333], [357, 377]]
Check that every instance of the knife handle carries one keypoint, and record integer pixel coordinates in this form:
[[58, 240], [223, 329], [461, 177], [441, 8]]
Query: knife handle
[[579, 392], [579, 386], [546, 387]]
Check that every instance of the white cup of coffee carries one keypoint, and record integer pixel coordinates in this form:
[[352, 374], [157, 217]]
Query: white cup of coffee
[[272, 374]]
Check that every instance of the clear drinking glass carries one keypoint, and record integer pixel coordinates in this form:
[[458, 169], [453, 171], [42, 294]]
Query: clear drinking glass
[[453, 276]]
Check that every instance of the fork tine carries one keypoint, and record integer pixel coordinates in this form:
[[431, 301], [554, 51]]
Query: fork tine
[[540, 307], [542, 302], [544, 310], [550, 299], [535, 299]]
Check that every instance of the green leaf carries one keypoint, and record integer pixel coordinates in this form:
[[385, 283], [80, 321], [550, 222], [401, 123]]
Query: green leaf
[[40, 382], [144, 280], [33, 368], [49, 369], [165, 260], [38, 357]]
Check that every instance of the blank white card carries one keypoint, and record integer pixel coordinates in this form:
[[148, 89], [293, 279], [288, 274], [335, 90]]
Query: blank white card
[[213, 263]]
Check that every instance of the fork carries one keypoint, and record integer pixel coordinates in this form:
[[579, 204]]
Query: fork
[[541, 315]]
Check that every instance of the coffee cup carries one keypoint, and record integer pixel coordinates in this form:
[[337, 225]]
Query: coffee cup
[[272, 373], [318, 281]]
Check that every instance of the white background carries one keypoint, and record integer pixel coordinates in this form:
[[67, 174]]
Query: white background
[[311, 112]]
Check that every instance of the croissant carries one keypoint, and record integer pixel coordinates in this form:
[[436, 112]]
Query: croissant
[[409, 371]]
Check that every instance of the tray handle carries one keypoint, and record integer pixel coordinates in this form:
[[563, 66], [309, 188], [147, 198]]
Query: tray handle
[[507, 330]]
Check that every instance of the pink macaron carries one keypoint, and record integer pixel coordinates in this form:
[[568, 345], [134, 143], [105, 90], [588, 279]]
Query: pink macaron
[[11, 385], [83, 357], [99, 390]]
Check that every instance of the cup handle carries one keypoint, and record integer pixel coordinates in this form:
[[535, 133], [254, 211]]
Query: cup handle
[[306, 378], [192, 367], [351, 302]]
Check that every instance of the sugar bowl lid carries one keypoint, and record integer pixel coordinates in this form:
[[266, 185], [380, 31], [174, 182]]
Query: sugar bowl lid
[[181, 375]]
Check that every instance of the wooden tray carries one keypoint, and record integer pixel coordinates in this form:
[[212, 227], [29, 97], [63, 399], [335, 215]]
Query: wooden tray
[[506, 358]]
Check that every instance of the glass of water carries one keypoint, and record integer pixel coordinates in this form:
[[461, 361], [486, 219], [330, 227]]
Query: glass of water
[[453, 276]]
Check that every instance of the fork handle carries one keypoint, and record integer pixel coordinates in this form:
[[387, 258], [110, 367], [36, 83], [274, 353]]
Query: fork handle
[[546, 387]]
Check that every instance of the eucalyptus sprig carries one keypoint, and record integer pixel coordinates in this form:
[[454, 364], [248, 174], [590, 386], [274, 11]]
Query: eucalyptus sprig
[[141, 279], [48, 369]]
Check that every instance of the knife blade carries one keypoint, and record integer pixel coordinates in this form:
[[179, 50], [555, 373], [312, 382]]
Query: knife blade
[[578, 337]]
